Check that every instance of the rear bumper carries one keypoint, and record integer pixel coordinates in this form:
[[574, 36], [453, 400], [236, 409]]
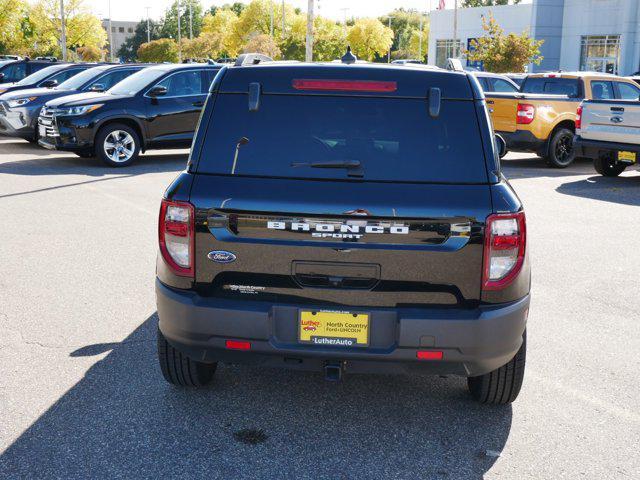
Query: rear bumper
[[596, 148], [473, 342], [523, 140]]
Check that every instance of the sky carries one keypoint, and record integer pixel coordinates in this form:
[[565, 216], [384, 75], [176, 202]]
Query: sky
[[135, 9]]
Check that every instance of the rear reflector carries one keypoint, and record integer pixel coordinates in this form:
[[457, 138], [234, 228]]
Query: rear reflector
[[345, 85], [237, 345], [429, 355]]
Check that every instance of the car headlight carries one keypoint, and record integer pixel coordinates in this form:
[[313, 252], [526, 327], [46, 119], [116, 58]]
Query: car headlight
[[18, 102], [81, 110]]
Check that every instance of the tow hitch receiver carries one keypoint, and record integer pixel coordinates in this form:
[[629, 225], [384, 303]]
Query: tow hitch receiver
[[333, 371]]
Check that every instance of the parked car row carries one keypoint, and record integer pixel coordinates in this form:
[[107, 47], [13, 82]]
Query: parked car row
[[110, 111]]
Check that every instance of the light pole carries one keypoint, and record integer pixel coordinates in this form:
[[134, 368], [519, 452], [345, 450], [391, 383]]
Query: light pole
[[308, 54], [389, 52], [110, 35], [179, 38], [63, 32], [271, 20], [148, 26], [190, 20]]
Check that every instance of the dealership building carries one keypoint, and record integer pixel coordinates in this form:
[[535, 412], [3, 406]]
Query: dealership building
[[597, 35]]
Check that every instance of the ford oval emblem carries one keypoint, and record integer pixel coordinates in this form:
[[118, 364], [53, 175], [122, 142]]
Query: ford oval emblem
[[221, 256]]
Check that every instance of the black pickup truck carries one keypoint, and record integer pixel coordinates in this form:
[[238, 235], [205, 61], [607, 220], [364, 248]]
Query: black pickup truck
[[344, 218]]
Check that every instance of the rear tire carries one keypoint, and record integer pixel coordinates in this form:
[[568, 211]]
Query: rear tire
[[180, 370], [608, 167], [117, 145], [561, 153], [501, 386]]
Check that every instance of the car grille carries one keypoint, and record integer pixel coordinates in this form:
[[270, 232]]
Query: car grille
[[48, 121]]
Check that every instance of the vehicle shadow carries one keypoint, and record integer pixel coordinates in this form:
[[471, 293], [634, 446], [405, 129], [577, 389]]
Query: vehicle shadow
[[623, 190], [59, 163], [122, 420], [536, 167]]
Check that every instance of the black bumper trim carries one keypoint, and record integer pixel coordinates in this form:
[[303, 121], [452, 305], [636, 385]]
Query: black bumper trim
[[474, 341], [594, 148]]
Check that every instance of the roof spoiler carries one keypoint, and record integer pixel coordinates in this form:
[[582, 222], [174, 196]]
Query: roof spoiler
[[455, 65], [252, 59]]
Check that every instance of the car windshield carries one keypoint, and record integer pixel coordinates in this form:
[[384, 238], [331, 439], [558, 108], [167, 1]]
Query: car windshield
[[41, 75], [379, 139], [136, 82], [77, 81]]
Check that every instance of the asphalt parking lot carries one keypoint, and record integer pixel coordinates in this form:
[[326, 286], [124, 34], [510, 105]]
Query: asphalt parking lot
[[81, 394]]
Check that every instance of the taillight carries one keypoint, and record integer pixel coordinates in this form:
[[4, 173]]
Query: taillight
[[176, 236], [504, 249], [525, 113], [345, 85], [579, 117]]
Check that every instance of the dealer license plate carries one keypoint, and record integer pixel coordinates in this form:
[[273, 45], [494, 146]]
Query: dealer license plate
[[627, 157], [333, 328]]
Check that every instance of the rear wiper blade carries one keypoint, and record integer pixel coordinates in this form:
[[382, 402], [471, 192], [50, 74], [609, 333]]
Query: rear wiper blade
[[354, 167]]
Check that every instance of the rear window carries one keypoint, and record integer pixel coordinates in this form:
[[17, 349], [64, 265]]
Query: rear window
[[394, 139], [555, 86]]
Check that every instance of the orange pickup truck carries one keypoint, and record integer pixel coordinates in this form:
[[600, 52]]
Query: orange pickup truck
[[541, 117]]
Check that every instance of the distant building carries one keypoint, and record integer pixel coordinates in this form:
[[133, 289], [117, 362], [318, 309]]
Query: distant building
[[120, 31], [600, 35]]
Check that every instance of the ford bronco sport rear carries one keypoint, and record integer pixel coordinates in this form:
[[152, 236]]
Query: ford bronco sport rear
[[345, 218]]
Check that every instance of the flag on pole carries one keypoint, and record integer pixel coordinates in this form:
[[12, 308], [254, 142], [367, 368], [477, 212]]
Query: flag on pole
[[441, 5]]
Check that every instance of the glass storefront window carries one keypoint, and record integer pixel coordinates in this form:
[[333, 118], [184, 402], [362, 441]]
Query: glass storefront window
[[446, 49], [600, 53]]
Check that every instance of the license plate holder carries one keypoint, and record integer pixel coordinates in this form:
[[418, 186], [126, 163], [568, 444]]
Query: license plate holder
[[332, 328], [627, 157]]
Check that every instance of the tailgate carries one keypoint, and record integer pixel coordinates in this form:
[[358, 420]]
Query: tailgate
[[611, 121], [340, 243], [502, 108]]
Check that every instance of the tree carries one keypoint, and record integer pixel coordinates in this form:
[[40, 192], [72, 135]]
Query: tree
[[219, 27], [162, 50], [12, 15], [504, 53], [329, 40], [263, 44], [235, 7], [170, 25], [82, 28], [90, 53], [129, 49], [419, 44], [206, 46], [487, 3], [369, 37]]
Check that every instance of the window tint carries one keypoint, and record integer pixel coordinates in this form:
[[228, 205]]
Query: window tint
[[14, 72], [81, 78], [601, 90], [40, 75], [555, 86], [65, 75], [500, 85], [394, 139], [182, 83], [137, 81], [110, 79], [628, 91]]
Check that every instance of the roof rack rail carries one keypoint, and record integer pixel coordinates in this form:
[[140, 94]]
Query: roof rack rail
[[251, 59]]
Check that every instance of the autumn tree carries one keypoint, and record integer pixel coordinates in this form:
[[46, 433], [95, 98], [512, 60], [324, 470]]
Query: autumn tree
[[156, 51], [218, 27], [263, 44], [504, 53], [205, 47], [12, 17], [170, 24], [90, 53], [419, 43], [369, 37], [82, 28]]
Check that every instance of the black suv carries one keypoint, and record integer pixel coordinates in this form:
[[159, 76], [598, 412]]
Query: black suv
[[157, 107], [344, 218], [48, 77], [12, 71], [19, 111]]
